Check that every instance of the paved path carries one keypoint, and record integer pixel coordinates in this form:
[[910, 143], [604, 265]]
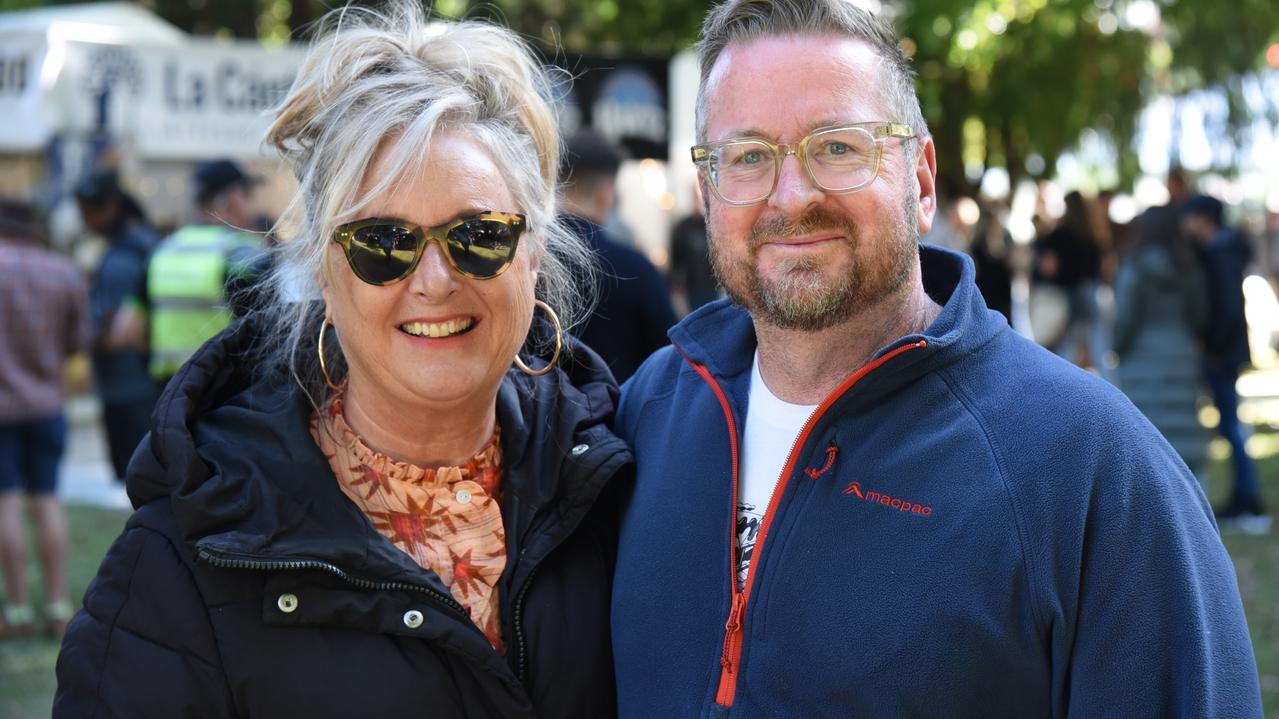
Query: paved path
[[85, 476]]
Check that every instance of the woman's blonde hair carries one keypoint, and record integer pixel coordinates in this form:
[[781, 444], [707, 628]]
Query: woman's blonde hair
[[391, 73]]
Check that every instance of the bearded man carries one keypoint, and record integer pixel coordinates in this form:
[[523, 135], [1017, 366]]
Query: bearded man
[[858, 492]]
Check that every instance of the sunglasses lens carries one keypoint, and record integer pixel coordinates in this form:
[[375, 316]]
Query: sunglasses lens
[[483, 248], [382, 253]]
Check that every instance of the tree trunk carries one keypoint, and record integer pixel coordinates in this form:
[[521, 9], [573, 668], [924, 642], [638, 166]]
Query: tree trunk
[[300, 17], [1012, 158]]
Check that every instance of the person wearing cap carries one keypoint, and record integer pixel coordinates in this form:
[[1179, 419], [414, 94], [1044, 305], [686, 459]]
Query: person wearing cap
[[634, 309], [196, 272], [117, 306], [1224, 254], [44, 319]]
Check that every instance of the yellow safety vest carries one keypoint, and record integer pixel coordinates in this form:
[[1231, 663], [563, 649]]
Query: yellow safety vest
[[186, 281]]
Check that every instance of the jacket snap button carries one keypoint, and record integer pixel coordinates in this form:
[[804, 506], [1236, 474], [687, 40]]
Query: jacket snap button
[[463, 496], [288, 603], [580, 449], [412, 619]]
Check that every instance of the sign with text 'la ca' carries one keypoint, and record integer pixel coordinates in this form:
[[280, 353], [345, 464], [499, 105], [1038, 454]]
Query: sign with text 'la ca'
[[202, 100], [199, 99]]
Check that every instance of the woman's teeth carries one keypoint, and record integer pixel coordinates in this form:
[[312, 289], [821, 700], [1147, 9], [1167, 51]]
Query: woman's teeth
[[437, 329]]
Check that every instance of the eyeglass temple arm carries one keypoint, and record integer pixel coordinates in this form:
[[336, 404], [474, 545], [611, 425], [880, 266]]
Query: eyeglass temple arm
[[893, 129]]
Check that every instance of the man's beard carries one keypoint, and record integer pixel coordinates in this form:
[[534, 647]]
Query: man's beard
[[803, 299]]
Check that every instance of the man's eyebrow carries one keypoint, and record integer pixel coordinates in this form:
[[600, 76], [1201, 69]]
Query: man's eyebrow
[[742, 132], [745, 132]]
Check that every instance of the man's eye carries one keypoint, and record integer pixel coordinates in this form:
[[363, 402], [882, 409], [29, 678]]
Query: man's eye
[[838, 148], [751, 157]]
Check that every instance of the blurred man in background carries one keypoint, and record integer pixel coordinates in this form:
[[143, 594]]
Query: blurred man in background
[[634, 309], [692, 276], [117, 305], [1225, 253], [198, 272], [44, 319]]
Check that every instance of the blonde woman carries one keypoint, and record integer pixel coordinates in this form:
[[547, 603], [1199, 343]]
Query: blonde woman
[[386, 495]]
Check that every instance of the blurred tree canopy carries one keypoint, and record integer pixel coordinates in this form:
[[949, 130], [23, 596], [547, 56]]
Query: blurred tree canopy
[[1004, 83]]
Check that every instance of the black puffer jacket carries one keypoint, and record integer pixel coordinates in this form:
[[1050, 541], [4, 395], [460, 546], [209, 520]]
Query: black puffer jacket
[[247, 585]]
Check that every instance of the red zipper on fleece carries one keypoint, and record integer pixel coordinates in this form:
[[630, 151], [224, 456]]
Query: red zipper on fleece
[[733, 627]]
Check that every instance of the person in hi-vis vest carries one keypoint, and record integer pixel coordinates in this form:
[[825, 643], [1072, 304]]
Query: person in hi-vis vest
[[195, 272]]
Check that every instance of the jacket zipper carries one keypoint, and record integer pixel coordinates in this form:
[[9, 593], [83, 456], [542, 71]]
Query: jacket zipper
[[731, 657], [517, 619], [297, 564], [518, 624]]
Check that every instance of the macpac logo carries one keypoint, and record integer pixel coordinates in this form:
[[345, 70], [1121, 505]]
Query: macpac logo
[[901, 505]]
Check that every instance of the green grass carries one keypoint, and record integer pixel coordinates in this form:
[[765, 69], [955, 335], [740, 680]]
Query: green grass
[[26, 666], [1256, 561]]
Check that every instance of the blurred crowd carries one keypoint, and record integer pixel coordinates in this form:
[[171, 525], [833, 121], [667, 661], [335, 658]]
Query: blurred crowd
[[1154, 305], [148, 303]]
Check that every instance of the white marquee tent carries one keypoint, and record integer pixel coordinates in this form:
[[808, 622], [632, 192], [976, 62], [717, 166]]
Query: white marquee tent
[[77, 79]]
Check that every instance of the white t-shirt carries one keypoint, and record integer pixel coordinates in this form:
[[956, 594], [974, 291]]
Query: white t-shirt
[[772, 426]]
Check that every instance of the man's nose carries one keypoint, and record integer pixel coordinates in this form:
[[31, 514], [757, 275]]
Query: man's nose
[[795, 191]]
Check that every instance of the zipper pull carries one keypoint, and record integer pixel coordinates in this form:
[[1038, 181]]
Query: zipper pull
[[731, 627], [732, 652], [735, 616]]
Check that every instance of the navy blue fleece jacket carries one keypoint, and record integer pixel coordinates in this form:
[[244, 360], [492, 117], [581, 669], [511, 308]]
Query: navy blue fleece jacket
[[967, 527]]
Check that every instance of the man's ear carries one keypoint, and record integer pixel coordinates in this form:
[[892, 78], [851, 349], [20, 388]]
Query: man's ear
[[926, 176], [704, 195]]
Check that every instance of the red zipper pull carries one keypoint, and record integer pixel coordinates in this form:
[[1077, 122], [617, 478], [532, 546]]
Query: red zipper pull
[[731, 627], [732, 651]]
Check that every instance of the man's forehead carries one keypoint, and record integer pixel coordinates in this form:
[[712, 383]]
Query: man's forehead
[[802, 81]]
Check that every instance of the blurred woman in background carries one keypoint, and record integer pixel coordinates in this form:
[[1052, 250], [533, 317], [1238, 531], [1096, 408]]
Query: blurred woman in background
[[1069, 259], [1159, 313]]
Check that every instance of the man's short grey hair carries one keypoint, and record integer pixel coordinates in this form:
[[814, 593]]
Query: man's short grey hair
[[739, 21], [373, 76]]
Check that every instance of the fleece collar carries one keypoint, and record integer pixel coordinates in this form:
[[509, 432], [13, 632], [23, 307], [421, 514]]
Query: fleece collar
[[721, 335]]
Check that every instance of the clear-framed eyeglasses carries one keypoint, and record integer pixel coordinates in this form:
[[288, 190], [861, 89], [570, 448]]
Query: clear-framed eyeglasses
[[744, 171]]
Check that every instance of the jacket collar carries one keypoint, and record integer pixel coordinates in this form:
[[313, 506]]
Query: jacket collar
[[721, 335]]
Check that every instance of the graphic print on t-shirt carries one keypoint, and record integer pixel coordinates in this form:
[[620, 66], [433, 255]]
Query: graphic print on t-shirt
[[749, 518], [772, 426]]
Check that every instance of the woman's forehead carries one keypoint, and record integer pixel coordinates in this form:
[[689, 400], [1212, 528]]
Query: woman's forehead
[[454, 175]]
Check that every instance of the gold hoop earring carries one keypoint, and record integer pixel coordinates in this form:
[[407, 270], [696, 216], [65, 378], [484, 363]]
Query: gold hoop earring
[[555, 320], [319, 346]]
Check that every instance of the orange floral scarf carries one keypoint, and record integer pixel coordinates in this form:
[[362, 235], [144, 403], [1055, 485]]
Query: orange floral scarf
[[449, 519]]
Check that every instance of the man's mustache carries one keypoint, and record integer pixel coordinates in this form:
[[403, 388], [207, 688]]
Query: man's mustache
[[812, 222]]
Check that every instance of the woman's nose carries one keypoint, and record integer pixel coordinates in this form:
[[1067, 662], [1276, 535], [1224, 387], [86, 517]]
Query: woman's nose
[[433, 278]]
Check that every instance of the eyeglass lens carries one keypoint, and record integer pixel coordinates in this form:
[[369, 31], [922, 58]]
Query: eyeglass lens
[[838, 160]]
